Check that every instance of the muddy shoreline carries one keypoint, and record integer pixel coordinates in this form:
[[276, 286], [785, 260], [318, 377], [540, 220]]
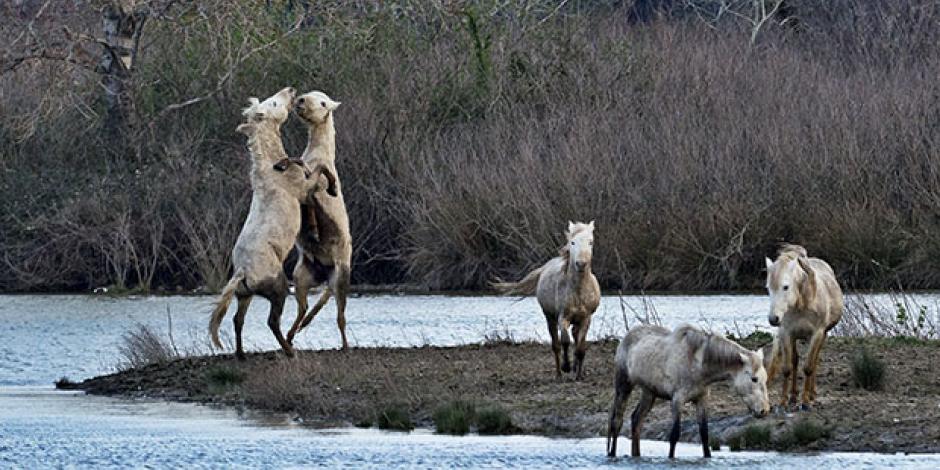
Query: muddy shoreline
[[332, 388]]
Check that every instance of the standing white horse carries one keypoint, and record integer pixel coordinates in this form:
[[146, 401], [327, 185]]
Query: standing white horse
[[679, 366], [805, 303], [568, 293]]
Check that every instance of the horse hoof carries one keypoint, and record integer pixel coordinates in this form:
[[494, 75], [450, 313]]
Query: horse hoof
[[565, 368], [241, 357], [806, 407]]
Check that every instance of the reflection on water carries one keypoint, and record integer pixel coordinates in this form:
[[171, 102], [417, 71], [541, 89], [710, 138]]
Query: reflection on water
[[43, 428]]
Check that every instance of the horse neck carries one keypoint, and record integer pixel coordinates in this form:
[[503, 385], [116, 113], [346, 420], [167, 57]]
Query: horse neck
[[716, 370], [321, 140], [576, 281]]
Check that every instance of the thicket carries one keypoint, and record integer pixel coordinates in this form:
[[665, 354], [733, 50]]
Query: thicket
[[471, 133]]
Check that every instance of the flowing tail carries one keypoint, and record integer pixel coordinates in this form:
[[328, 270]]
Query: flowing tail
[[221, 306], [524, 287]]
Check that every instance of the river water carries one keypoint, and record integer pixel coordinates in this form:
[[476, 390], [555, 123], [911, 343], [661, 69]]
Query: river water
[[43, 338]]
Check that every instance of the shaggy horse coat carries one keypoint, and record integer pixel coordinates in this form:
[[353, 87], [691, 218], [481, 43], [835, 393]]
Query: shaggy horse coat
[[806, 302], [568, 293], [273, 220], [324, 241], [679, 366]]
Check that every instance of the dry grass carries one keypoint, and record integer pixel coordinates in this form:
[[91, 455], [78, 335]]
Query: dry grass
[[464, 149]]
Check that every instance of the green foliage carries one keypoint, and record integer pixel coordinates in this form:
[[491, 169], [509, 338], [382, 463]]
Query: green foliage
[[223, 377], [868, 371], [394, 418], [754, 340], [494, 420], [752, 437], [454, 417], [803, 432]]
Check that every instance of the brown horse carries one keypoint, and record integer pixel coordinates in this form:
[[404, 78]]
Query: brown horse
[[324, 241], [805, 303], [679, 366], [568, 294]]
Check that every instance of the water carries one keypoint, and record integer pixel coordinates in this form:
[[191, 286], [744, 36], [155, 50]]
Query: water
[[45, 337], [43, 428]]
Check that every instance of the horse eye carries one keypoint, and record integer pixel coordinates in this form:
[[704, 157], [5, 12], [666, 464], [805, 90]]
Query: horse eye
[[323, 103], [786, 287], [572, 243], [754, 379]]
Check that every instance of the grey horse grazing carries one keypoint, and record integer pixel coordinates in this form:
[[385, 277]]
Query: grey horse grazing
[[805, 303], [679, 366], [273, 220], [568, 293]]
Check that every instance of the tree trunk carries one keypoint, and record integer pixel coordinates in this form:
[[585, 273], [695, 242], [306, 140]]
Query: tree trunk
[[123, 23]]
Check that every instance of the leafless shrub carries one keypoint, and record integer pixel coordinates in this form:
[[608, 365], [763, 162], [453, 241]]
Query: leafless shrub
[[898, 315]]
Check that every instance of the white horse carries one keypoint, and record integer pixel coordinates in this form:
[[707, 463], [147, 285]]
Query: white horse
[[805, 303], [679, 366], [568, 293]]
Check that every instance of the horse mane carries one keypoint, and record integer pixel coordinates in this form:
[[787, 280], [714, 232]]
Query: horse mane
[[718, 350], [790, 251]]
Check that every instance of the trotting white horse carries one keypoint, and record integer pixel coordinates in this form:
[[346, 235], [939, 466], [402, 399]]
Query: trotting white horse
[[568, 293]]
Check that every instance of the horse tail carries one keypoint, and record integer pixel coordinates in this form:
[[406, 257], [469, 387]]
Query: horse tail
[[221, 306], [524, 287]]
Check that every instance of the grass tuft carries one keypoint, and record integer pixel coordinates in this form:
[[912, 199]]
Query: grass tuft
[[752, 437], [868, 372], [394, 418], [223, 377], [494, 420], [803, 432], [454, 418]]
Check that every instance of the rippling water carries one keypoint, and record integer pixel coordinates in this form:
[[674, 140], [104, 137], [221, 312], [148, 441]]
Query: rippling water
[[42, 428], [45, 337]]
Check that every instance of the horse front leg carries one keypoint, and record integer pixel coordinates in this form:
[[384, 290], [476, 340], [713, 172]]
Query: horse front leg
[[794, 364], [701, 410], [810, 368], [565, 344], [787, 352], [676, 424], [581, 348]]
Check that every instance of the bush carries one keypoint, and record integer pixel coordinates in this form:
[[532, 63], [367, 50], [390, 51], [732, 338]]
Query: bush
[[394, 418], [454, 418], [494, 420], [868, 372], [752, 437], [144, 346], [803, 432], [223, 377], [714, 443]]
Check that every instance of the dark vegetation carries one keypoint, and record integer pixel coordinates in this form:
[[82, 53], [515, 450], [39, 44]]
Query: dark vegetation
[[470, 133], [868, 371], [458, 416]]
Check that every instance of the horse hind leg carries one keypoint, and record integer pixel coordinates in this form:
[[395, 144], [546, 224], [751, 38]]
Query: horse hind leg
[[239, 321], [340, 283], [303, 280], [636, 420], [622, 389], [276, 293], [565, 344]]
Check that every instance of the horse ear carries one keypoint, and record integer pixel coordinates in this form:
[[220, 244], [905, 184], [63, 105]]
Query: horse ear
[[744, 358], [332, 105], [591, 225], [243, 128], [769, 263], [760, 355], [808, 289], [570, 228]]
